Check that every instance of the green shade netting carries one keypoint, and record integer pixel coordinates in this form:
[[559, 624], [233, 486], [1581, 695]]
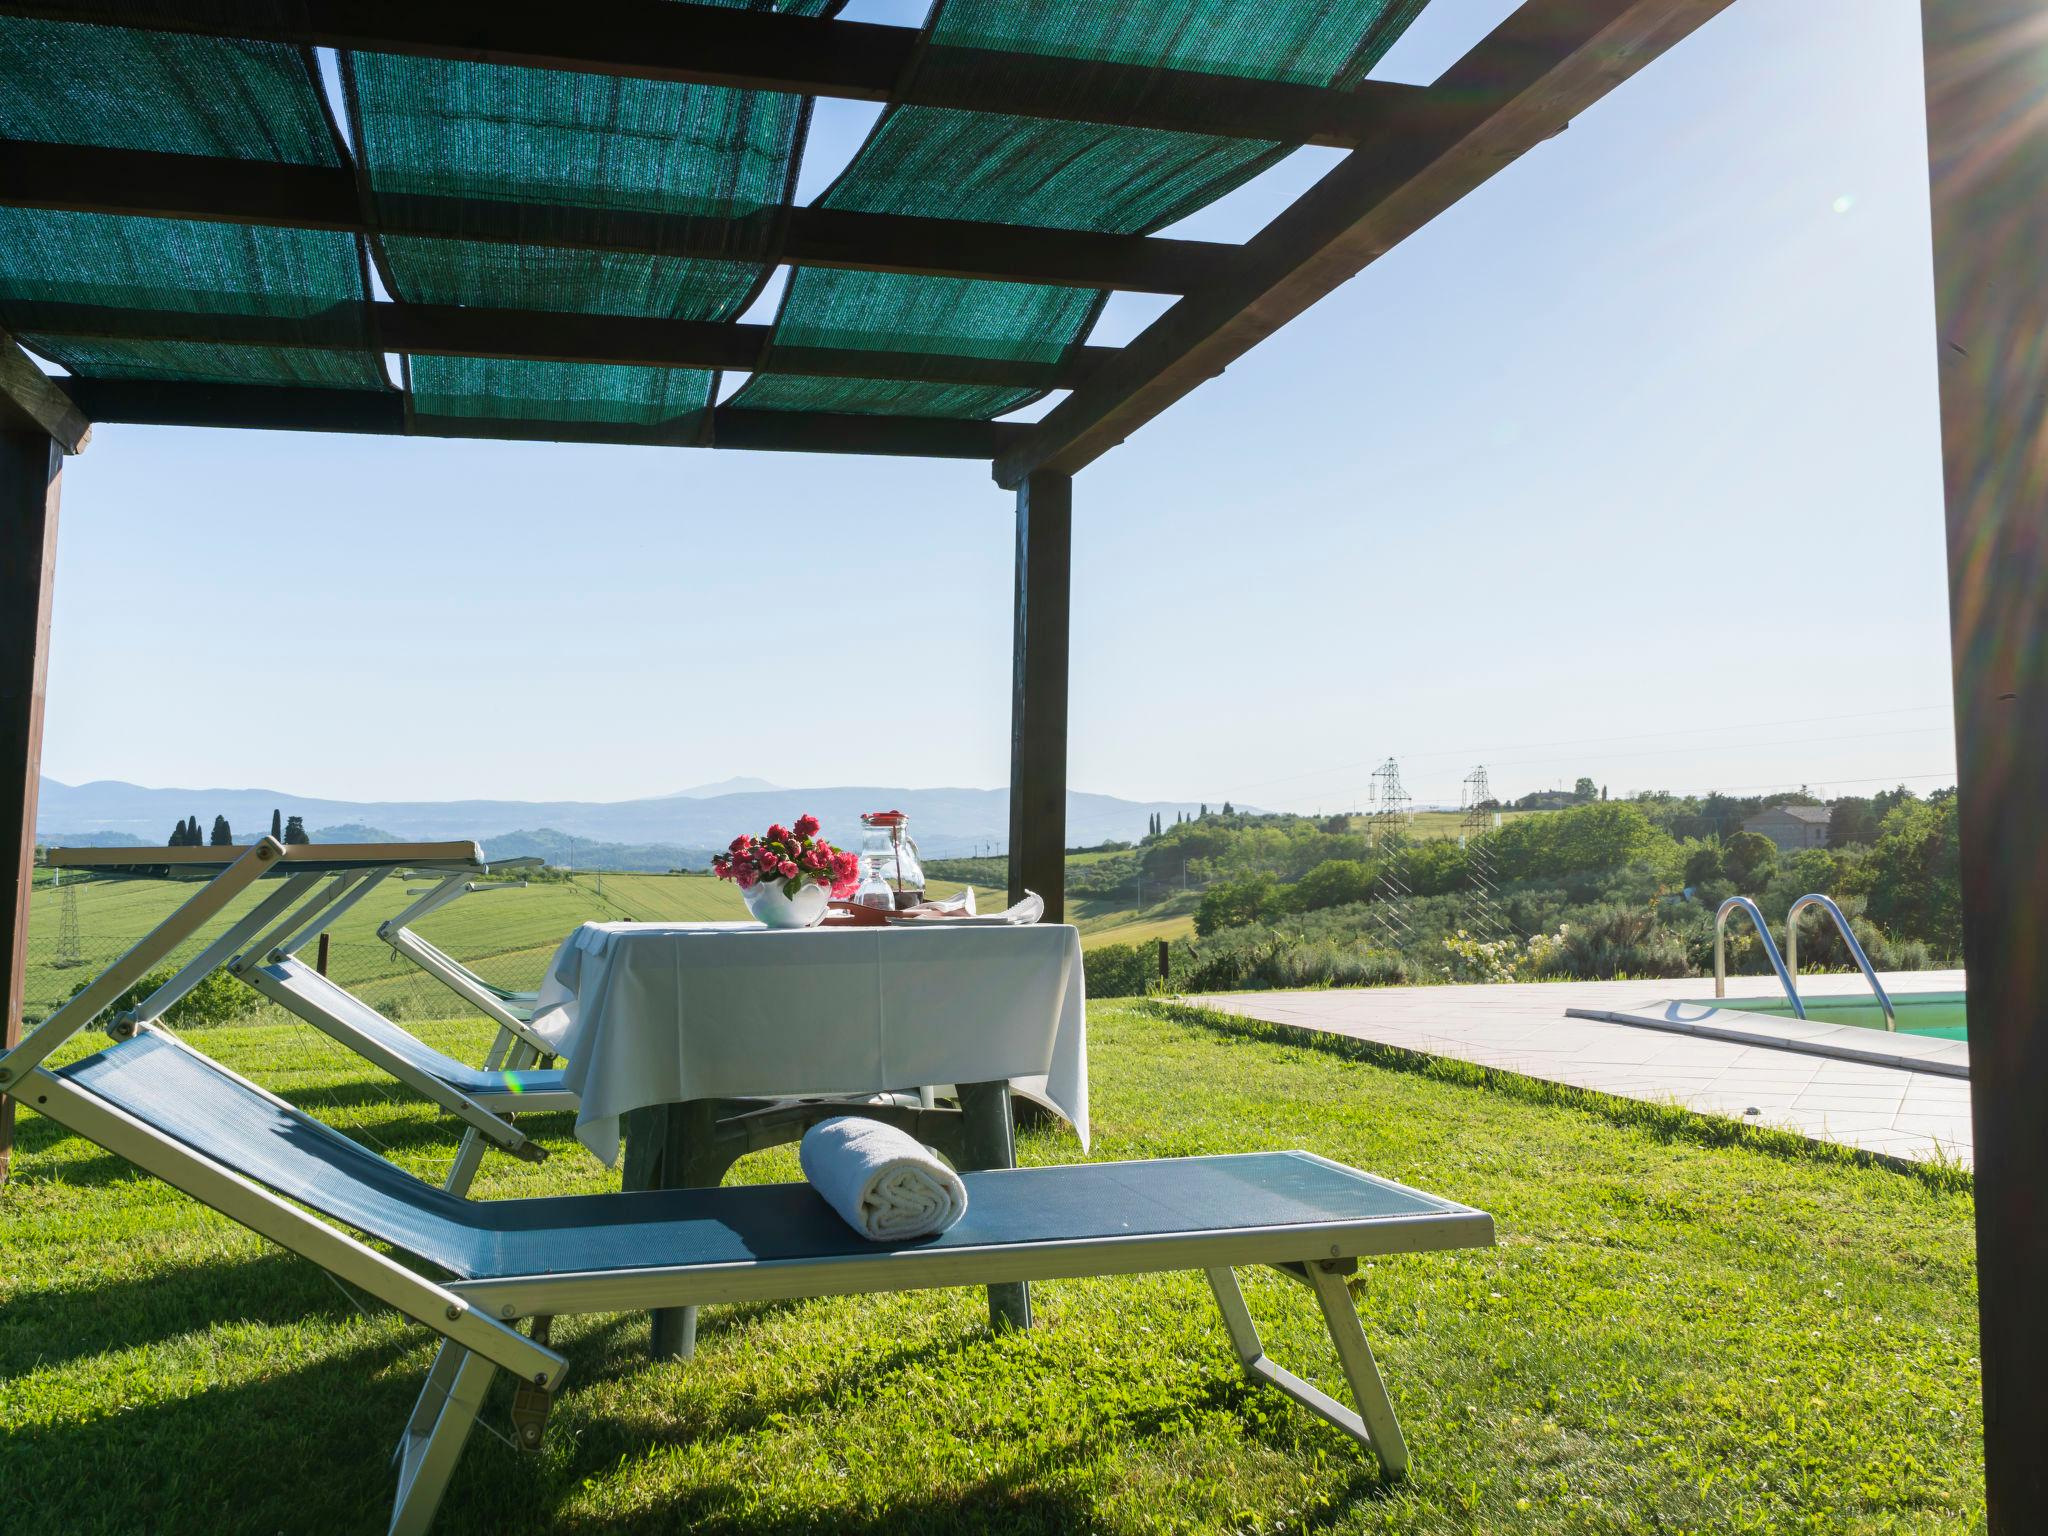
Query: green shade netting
[[644, 404], [307, 282], [110, 87], [943, 163], [65, 82], [436, 137]]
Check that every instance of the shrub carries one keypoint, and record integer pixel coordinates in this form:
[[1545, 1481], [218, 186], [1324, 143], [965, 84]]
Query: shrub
[[1748, 859], [1121, 970], [219, 999], [1615, 941], [1470, 959], [1238, 902], [1913, 877], [1333, 883]]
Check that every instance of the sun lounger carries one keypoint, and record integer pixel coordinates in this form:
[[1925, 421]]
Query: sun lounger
[[480, 1097], [511, 1010], [319, 883], [183, 1118]]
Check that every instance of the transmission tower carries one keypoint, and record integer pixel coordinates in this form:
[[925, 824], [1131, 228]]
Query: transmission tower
[[1386, 834], [1483, 918], [70, 953]]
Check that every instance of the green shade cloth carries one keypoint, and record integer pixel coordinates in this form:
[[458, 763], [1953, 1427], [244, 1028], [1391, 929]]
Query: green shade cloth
[[118, 262], [434, 135], [110, 87], [573, 400], [943, 163], [64, 82]]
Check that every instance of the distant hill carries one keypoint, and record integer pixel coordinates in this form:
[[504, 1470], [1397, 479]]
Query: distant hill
[[351, 832], [947, 822], [739, 786], [95, 840], [582, 853]]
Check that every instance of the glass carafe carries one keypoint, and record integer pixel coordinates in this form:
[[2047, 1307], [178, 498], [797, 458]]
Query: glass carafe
[[888, 851]]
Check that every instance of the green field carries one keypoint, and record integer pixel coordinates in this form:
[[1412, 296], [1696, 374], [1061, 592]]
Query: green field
[[1685, 1328], [506, 934]]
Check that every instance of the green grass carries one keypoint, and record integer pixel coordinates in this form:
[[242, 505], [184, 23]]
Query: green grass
[[1673, 1336], [1129, 927]]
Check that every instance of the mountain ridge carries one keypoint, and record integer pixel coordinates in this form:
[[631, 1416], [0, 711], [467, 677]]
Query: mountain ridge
[[948, 821]]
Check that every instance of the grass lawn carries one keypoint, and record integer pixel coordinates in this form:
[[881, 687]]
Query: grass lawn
[[1673, 1336]]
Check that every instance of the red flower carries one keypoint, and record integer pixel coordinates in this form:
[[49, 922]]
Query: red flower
[[806, 825], [788, 869]]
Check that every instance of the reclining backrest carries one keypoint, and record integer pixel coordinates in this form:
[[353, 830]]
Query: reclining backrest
[[192, 1100], [292, 980]]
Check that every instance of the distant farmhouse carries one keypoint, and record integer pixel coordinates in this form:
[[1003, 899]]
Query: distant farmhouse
[[1793, 826]]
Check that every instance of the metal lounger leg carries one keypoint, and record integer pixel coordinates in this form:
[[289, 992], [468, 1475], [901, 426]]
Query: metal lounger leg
[[513, 1055], [469, 1156], [1374, 1425], [435, 1435]]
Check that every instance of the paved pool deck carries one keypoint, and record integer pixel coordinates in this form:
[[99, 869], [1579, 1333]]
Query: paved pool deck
[[1523, 1028]]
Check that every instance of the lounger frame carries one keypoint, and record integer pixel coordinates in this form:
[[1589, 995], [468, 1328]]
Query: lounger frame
[[475, 1318], [484, 1115]]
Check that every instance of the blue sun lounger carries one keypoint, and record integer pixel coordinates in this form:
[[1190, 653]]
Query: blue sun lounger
[[311, 886], [154, 1101]]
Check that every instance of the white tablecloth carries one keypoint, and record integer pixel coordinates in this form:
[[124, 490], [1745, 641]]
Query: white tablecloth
[[659, 1013]]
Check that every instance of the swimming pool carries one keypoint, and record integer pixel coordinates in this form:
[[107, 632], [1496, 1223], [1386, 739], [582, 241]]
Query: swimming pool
[[1938, 1015]]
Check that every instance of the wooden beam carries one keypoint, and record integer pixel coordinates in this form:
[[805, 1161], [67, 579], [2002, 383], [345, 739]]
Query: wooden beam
[[31, 402], [1988, 172], [382, 413], [822, 432], [769, 51], [262, 407], [1038, 691], [31, 470], [548, 336], [1547, 62], [151, 184]]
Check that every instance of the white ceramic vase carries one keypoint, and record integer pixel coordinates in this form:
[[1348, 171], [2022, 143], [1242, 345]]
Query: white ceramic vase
[[805, 909]]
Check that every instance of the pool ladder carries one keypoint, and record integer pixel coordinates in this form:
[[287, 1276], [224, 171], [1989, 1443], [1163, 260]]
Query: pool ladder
[[1787, 965]]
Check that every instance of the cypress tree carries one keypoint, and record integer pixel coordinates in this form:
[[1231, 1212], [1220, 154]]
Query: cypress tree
[[295, 831], [223, 835], [277, 826], [177, 836]]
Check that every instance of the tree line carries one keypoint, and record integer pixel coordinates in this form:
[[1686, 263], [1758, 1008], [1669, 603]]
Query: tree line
[[186, 834], [1600, 889]]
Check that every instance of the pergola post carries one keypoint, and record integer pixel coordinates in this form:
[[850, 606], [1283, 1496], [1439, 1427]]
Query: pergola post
[[1038, 694], [31, 466], [1987, 77]]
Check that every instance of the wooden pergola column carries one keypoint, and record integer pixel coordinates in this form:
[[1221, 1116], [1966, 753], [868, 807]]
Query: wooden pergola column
[[1038, 694], [1987, 121], [31, 468]]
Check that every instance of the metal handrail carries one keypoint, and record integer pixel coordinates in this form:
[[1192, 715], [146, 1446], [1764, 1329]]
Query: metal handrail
[[1891, 1019], [1763, 932]]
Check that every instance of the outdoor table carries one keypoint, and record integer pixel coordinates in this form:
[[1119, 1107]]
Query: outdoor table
[[711, 1040]]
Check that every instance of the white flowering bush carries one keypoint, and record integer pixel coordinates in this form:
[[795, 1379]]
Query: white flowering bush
[[1473, 959]]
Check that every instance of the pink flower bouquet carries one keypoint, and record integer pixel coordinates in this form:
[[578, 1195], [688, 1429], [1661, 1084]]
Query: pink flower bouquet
[[792, 857]]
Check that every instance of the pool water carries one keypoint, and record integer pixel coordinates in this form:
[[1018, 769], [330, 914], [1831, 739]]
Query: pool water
[[1936, 1014]]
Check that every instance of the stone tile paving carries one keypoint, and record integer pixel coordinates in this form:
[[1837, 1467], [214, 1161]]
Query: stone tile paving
[[1522, 1028]]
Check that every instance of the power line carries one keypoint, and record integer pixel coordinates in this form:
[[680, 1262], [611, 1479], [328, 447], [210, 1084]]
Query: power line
[[1590, 741]]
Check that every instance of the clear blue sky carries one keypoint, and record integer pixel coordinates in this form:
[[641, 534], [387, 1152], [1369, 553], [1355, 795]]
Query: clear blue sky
[[1627, 466]]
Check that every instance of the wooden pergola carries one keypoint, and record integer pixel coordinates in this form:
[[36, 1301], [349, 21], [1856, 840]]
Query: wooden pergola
[[907, 385]]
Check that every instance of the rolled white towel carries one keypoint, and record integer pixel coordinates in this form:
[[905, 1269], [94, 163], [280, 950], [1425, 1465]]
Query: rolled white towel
[[880, 1179]]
